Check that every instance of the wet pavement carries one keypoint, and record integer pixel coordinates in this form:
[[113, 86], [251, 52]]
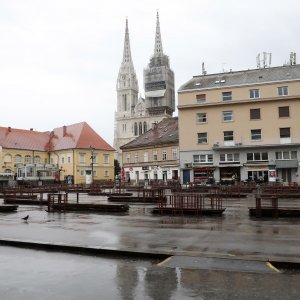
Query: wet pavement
[[234, 235], [196, 270], [31, 274]]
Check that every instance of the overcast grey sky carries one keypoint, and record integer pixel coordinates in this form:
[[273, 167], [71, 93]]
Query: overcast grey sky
[[59, 59]]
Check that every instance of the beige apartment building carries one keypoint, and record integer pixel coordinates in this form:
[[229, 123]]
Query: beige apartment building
[[241, 126], [153, 155]]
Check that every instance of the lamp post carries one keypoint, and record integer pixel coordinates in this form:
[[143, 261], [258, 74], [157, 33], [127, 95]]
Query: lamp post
[[92, 162]]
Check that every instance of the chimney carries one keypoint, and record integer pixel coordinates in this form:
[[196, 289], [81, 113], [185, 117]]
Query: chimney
[[64, 130], [9, 129], [154, 125], [31, 129]]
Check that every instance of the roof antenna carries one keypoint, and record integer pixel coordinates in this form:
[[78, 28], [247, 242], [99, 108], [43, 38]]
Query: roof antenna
[[293, 58], [266, 61]]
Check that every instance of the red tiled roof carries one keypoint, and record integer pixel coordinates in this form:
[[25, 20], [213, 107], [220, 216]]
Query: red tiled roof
[[79, 135], [165, 132], [23, 139]]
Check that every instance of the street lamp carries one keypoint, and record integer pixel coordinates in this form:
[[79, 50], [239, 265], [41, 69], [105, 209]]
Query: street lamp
[[92, 162]]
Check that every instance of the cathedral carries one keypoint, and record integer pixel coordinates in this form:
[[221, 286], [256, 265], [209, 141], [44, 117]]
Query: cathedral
[[136, 115]]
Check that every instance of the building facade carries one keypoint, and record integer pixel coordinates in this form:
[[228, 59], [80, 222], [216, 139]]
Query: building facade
[[135, 115], [241, 126], [72, 154], [153, 155]]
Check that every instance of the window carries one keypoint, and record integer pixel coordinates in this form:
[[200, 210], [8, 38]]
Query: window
[[136, 157], [255, 134], [254, 93], [28, 159], [105, 158], [62, 160], [201, 98], [257, 156], [284, 111], [145, 127], [128, 158], [227, 96], [69, 159], [294, 155], [81, 158], [81, 173], [201, 175], [227, 116], [203, 158], [164, 155], [140, 128], [7, 158], [201, 118], [174, 154], [282, 90], [7, 171], [229, 157], [106, 173], [285, 132], [145, 156], [255, 114], [228, 135], [286, 155], [37, 159], [18, 159], [135, 129], [124, 127], [155, 155], [202, 138]]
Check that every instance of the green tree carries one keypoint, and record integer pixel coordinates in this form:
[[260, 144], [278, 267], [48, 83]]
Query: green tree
[[117, 167]]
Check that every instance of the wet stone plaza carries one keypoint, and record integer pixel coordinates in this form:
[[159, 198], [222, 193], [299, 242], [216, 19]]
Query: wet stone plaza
[[146, 256]]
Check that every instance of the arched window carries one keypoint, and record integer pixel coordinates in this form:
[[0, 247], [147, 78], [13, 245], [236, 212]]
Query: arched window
[[140, 128], [145, 126], [7, 158], [135, 129], [18, 159], [28, 159]]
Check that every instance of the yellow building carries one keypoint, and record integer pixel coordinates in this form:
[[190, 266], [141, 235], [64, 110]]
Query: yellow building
[[241, 125], [153, 155], [74, 154]]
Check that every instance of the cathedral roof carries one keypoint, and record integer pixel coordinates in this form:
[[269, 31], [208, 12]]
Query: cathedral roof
[[162, 133]]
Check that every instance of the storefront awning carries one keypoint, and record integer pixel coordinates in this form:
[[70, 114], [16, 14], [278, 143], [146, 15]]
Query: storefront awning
[[204, 169], [230, 166], [257, 166], [155, 94], [287, 164]]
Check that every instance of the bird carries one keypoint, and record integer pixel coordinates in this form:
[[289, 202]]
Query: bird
[[25, 218]]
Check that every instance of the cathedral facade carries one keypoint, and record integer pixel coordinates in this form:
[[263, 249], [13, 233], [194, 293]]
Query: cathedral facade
[[136, 115]]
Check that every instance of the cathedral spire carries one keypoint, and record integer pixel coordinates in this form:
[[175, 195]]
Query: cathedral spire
[[158, 50], [127, 52]]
